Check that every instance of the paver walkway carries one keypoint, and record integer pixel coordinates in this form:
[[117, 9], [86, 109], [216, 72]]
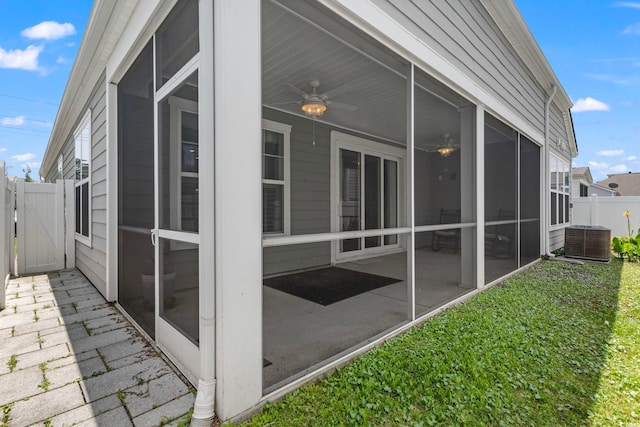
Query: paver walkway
[[68, 357]]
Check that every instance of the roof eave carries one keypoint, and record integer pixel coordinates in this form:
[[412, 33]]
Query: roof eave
[[104, 27]]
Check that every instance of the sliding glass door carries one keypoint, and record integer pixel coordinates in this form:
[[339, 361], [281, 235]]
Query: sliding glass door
[[367, 199]]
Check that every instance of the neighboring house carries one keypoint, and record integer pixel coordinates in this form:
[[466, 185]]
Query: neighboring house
[[221, 147], [582, 184], [624, 184]]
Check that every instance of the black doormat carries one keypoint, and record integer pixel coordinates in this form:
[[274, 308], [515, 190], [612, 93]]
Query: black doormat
[[328, 285]]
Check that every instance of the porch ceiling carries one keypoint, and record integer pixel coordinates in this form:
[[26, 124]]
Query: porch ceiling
[[296, 51]]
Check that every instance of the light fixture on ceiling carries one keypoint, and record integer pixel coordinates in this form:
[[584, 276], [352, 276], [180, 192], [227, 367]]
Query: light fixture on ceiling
[[314, 107], [445, 151], [448, 148]]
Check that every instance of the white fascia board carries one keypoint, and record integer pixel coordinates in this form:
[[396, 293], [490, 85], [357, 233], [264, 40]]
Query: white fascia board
[[143, 22], [369, 18], [106, 22]]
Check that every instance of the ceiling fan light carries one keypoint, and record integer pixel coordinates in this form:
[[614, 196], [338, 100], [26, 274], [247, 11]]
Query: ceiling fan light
[[314, 109], [445, 151]]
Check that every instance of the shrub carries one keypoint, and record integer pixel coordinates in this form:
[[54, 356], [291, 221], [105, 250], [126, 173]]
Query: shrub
[[627, 247]]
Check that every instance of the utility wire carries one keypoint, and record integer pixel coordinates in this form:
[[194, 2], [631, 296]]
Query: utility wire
[[38, 101]]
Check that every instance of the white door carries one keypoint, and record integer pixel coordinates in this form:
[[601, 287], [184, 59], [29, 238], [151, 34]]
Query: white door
[[366, 195], [176, 234], [40, 227]]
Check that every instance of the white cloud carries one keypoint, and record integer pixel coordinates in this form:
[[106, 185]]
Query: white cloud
[[2, 150], [598, 165], [61, 60], [631, 158], [49, 30], [23, 157], [632, 29], [32, 165], [619, 168], [26, 59], [589, 104], [631, 4], [13, 121], [622, 81], [610, 153]]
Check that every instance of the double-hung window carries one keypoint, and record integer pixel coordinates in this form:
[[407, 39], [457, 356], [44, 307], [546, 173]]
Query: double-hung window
[[82, 140], [276, 218], [560, 190]]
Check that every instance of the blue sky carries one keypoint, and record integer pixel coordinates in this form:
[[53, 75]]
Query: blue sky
[[594, 48], [38, 43], [592, 45]]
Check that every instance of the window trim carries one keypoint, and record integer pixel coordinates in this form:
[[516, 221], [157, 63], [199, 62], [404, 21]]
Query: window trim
[[177, 107], [563, 167], [285, 130], [84, 123]]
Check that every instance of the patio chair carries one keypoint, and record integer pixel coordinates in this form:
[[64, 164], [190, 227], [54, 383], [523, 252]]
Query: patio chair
[[499, 239], [447, 238]]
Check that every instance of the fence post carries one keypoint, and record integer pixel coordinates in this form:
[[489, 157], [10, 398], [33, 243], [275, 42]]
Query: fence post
[[4, 238], [69, 223], [20, 261], [594, 209]]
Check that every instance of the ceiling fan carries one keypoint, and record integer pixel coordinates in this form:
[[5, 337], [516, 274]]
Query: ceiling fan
[[314, 104], [445, 148]]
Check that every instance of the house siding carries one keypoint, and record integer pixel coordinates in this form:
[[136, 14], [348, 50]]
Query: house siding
[[467, 37], [91, 261], [310, 184]]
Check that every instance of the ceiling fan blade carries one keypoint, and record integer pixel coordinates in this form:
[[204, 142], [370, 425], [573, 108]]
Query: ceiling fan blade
[[342, 106], [285, 103], [336, 91], [296, 90]]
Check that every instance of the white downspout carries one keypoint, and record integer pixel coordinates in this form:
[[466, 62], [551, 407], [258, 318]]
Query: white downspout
[[204, 405], [547, 209]]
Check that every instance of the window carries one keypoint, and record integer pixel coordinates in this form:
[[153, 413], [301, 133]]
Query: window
[[560, 190], [82, 138], [275, 178], [584, 190], [182, 151]]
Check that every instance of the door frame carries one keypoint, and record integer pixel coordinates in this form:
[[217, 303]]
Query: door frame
[[364, 146], [179, 348]]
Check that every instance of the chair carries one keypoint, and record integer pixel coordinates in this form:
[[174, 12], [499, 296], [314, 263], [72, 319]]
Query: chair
[[499, 238], [447, 238]]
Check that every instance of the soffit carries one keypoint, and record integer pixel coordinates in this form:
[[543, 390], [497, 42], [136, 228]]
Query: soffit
[[106, 22]]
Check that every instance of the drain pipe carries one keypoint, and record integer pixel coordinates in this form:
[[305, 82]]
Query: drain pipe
[[547, 208], [204, 405]]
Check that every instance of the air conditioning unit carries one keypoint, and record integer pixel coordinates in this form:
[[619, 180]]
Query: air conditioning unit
[[587, 242]]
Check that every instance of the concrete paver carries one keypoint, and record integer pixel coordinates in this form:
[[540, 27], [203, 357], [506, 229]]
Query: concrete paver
[[67, 357]]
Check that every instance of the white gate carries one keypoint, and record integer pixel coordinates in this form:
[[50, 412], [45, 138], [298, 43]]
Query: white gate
[[41, 233]]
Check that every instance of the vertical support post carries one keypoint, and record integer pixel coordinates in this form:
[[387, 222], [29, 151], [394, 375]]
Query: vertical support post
[[238, 205], [468, 190], [593, 209], [20, 263], [12, 225], [5, 245], [70, 223], [480, 217], [410, 196], [112, 193], [59, 234]]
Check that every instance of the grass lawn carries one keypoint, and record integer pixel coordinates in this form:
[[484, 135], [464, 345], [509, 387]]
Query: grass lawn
[[556, 345]]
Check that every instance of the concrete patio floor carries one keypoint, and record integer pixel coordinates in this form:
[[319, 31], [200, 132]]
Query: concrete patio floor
[[67, 357]]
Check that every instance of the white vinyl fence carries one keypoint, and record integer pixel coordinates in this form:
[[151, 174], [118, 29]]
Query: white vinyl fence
[[36, 228], [608, 212], [7, 190]]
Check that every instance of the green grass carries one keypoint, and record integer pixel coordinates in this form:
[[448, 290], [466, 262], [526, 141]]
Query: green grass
[[556, 345]]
